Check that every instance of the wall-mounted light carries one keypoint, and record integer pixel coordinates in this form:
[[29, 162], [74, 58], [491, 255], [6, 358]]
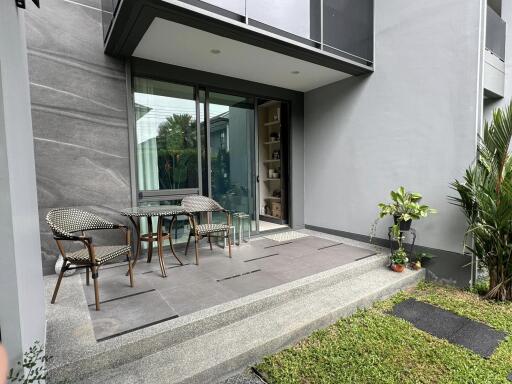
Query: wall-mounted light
[[21, 3]]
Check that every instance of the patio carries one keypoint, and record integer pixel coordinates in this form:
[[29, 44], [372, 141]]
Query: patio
[[264, 263]]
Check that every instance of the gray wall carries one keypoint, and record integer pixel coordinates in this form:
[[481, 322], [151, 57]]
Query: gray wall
[[79, 115], [22, 319], [413, 123]]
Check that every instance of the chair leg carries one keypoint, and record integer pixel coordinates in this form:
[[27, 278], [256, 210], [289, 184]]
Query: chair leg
[[150, 251], [94, 270], [210, 241], [130, 269], [229, 242], [188, 242], [61, 275], [197, 250], [87, 276]]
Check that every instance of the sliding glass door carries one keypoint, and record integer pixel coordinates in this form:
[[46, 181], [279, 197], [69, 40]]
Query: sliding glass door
[[191, 140], [231, 133]]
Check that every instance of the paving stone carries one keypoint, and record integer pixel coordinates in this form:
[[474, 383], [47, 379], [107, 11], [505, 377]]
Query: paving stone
[[509, 377], [128, 314], [478, 337], [443, 324]]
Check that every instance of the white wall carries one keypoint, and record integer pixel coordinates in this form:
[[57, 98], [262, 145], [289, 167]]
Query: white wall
[[413, 122], [22, 319]]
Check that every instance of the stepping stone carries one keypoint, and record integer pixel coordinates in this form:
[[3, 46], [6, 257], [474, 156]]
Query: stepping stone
[[443, 324], [509, 377]]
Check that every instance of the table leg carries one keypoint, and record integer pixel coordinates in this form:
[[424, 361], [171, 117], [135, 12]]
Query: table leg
[[160, 245], [150, 238], [174, 218]]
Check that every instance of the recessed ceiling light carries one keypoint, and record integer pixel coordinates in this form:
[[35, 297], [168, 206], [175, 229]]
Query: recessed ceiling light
[[215, 51], [295, 72]]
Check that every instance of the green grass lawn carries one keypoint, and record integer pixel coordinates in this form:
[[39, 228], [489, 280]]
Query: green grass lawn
[[374, 347]]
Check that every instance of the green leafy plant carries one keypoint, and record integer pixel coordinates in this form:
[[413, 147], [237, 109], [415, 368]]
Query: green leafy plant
[[33, 367], [405, 206], [399, 257], [485, 196]]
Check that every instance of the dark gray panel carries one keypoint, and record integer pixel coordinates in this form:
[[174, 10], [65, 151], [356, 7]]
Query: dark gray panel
[[78, 97], [478, 337]]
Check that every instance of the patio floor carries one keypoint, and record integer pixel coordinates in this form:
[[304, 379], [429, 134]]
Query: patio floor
[[263, 263]]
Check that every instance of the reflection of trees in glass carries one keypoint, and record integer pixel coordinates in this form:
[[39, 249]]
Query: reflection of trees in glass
[[177, 152]]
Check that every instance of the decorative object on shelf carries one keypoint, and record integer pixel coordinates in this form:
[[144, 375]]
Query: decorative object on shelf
[[276, 155], [276, 193], [270, 173], [276, 209], [274, 136]]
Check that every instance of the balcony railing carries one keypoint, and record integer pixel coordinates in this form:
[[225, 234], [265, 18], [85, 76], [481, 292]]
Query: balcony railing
[[341, 27], [496, 34]]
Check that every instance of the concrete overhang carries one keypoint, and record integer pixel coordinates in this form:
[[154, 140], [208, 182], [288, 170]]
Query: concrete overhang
[[177, 33]]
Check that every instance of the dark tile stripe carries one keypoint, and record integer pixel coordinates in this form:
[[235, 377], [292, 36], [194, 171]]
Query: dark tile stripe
[[278, 245], [123, 297], [136, 328], [365, 257], [262, 257], [239, 275], [330, 246]]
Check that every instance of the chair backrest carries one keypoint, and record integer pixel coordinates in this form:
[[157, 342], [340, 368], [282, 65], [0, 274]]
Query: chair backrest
[[197, 203], [64, 221]]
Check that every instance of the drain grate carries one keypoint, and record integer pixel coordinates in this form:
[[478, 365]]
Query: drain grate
[[330, 246], [259, 258], [239, 275], [123, 297], [277, 245]]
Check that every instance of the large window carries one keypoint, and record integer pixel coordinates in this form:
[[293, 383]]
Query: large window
[[166, 133]]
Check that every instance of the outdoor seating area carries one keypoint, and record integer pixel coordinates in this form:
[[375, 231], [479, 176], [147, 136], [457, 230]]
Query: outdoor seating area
[[263, 263]]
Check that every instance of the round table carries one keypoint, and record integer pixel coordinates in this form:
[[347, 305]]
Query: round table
[[160, 211]]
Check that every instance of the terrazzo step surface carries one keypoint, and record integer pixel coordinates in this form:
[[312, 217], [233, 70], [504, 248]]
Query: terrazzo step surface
[[216, 355], [76, 353]]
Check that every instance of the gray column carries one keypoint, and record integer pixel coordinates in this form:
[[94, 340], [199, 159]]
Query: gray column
[[22, 319]]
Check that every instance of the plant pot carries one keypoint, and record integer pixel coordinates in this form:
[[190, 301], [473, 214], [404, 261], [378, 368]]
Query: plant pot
[[398, 267], [404, 225]]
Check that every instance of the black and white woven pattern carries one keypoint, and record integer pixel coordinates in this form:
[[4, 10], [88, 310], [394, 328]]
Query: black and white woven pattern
[[102, 254], [65, 221], [197, 203], [204, 229], [159, 210]]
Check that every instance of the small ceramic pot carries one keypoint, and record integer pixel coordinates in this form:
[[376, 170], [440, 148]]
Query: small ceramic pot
[[398, 267]]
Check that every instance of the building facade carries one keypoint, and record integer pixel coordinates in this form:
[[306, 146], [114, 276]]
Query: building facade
[[133, 102]]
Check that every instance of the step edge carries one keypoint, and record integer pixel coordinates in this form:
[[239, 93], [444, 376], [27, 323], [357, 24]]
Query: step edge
[[214, 318]]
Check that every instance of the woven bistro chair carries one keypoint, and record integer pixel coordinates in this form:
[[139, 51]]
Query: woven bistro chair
[[195, 205], [64, 223]]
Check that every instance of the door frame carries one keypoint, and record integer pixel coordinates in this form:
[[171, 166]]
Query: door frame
[[137, 67]]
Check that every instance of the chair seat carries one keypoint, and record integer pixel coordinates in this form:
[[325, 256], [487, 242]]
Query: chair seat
[[103, 254], [204, 229]]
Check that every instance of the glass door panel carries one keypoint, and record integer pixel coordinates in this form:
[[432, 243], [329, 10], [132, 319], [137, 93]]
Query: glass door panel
[[231, 128], [166, 134]]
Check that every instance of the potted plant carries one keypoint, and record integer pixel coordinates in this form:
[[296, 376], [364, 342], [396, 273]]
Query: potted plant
[[399, 259], [404, 208]]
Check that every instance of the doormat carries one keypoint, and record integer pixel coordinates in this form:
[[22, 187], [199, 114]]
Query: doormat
[[286, 236], [475, 336]]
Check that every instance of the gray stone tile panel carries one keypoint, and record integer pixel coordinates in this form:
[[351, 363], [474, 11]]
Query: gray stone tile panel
[[129, 313], [477, 337]]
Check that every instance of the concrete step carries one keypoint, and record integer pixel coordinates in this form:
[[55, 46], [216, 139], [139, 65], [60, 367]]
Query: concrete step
[[218, 354], [87, 357]]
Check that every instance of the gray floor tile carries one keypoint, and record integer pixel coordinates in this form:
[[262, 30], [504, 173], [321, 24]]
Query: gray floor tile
[[112, 287], [129, 314], [251, 283], [190, 298]]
